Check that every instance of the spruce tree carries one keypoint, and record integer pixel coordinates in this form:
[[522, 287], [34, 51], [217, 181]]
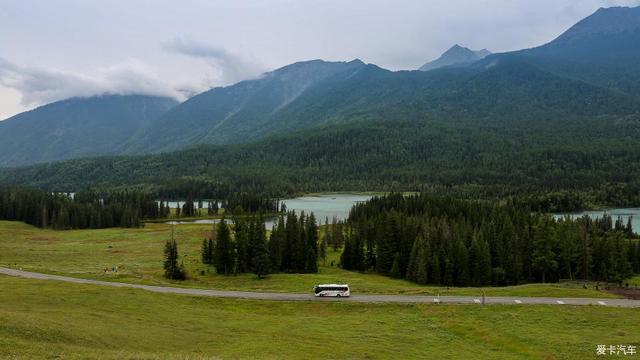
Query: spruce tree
[[395, 267], [205, 252], [322, 250], [261, 263], [543, 256], [276, 245], [224, 258], [171, 268], [311, 232], [461, 264]]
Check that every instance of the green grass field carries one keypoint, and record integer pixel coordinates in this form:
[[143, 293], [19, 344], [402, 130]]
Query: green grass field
[[138, 255], [51, 320]]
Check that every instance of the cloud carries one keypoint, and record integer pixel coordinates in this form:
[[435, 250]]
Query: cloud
[[230, 67], [42, 85]]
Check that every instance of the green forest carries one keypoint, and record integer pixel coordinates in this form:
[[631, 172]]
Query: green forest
[[451, 242], [117, 208], [592, 162], [291, 247]]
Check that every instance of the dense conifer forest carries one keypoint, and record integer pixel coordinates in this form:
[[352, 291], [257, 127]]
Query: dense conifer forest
[[432, 240], [292, 246], [560, 166], [116, 208], [79, 211]]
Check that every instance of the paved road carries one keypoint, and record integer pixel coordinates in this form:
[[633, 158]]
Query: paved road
[[353, 298]]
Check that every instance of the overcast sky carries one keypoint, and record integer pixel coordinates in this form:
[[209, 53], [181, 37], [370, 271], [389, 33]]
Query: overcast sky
[[51, 50]]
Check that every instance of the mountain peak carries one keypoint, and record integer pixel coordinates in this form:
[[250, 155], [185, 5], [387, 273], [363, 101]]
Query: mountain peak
[[457, 55], [611, 20]]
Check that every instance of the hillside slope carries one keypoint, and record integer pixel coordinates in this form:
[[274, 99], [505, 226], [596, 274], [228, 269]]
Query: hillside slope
[[77, 127], [240, 112], [602, 50]]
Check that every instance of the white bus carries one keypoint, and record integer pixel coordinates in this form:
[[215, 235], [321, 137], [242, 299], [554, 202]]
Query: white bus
[[334, 290]]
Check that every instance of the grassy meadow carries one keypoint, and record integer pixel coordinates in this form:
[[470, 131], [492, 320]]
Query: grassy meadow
[[50, 320], [138, 255]]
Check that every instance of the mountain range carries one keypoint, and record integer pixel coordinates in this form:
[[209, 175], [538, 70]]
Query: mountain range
[[554, 110]]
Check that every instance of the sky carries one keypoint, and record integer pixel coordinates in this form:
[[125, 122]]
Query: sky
[[52, 50]]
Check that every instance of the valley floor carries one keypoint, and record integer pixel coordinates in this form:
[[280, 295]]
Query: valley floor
[[45, 319], [137, 253]]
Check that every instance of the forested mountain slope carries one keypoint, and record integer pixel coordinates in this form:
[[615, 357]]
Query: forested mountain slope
[[602, 50], [581, 153], [240, 112], [77, 127], [590, 70]]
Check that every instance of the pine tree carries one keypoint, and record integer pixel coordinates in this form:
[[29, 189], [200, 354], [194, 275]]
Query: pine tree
[[461, 264], [311, 232], [337, 235], [276, 245], [242, 231], [480, 261], [210, 249], [261, 264], [322, 250], [387, 244], [257, 241], [224, 258], [205, 252], [484, 264], [418, 263], [544, 257], [171, 268], [395, 267]]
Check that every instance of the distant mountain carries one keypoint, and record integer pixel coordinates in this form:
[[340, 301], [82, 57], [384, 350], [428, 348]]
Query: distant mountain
[[605, 21], [241, 112], [290, 99], [590, 72], [602, 50], [511, 124], [456, 56], [77, 127]]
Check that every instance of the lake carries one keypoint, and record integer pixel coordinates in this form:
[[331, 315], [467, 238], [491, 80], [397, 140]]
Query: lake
[[323, 206], [634, 213]]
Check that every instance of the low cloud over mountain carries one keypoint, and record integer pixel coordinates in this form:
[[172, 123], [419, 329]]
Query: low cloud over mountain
[[228, 68], [42, 85]]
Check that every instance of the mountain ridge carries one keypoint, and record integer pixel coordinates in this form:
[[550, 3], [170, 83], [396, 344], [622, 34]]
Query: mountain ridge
[[589, 71], [77, 127]]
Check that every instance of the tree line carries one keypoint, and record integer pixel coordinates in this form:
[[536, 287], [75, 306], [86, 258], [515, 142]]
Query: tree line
[[235, 202], [111, 208], [84, 210], [566, 165], [431, 240]]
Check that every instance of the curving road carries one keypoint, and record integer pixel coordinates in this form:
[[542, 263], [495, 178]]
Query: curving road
[[353, 298]]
